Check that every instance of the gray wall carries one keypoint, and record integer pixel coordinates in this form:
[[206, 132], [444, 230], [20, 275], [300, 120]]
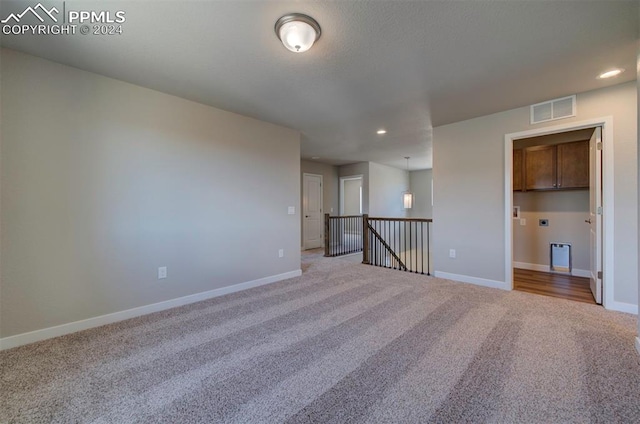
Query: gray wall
[[469, 199], [420, 183], [566, 212], [386, 185], [104, 181]]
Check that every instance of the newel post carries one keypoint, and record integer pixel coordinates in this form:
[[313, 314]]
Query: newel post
[[326, 234], [365, 238]]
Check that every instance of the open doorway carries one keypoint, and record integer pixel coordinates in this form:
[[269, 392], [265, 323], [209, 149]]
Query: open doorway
[[351, 195], [556, 184], [552, 188]]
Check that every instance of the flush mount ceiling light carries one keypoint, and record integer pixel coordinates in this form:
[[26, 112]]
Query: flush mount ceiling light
[[297, 32], [381, 131], [611, 73]]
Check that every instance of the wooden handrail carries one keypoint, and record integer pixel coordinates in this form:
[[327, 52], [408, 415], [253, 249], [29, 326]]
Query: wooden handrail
[[344, 216], [402, 219]]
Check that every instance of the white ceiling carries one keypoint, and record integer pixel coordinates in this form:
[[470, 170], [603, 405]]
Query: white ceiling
[[406, 66]]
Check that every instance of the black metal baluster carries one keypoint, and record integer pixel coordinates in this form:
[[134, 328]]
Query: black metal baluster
[[374, 240], [395, 241], [421, 247], [428, 248], [348, 247], [411, 242], [416, 249], [387, 259], [404, 232]]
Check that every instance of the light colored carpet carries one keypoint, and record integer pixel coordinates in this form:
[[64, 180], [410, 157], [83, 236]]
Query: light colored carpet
[[343, 343]]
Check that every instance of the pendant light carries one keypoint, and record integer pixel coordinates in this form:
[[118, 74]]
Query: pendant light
[[407, 196], [297, 32]]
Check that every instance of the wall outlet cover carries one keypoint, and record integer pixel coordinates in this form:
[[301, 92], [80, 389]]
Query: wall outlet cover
[[162, 272]]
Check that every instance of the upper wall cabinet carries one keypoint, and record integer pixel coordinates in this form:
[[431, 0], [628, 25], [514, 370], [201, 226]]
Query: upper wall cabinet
[[552, 167], [573, 165], [518, 169], [540, 168]]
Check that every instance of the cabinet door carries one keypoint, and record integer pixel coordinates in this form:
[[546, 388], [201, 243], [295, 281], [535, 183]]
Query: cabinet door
[[540, 167], [573, 165], [518, 169]]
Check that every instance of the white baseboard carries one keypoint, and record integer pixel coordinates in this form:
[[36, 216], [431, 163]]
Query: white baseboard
[[72, 327], [545, 268], [623, 307], [638, 345], [473, 280]]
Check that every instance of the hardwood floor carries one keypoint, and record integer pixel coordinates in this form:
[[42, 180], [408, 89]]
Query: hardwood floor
[[554, 285]]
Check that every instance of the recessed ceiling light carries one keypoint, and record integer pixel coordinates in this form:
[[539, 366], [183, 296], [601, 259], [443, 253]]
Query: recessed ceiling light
[[611, 73], [380, 132], [315, 157]]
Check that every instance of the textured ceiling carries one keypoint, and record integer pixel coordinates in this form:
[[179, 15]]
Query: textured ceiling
[[403, 65]]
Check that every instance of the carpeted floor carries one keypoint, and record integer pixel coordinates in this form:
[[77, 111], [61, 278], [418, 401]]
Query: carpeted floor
[[343, 343]]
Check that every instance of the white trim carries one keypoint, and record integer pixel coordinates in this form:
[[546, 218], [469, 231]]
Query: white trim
[[545, 268], [606, 123], [638, 345], [72, 327], [623, 307], [473, 280]]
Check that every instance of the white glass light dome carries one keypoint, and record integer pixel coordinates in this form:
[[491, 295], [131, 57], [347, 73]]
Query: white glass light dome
[[297, 32]]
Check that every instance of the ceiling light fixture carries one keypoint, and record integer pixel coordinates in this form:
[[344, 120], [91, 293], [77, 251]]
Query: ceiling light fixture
[[380, 132], [611, 73], [297, 32], [407, 196]]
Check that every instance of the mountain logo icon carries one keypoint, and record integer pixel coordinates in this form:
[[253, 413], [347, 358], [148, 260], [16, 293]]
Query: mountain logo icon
[[34, 11]]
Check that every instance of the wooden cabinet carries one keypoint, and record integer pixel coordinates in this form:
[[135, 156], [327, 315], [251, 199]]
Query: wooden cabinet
[[553, 167], [540, 167], [518, 169], [573, 165]]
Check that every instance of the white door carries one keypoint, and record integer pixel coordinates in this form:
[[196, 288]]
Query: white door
[[312, 220], [595, 213]]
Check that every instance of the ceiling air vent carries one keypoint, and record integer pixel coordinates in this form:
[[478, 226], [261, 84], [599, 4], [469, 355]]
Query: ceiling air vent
[[551, 110]]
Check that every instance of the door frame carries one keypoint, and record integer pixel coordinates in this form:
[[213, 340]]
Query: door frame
[[607, 197], [342, 180], [304, 240]]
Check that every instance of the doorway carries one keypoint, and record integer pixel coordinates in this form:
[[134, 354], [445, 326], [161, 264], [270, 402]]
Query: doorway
[[351, 195], [312, 221], [580, 205]]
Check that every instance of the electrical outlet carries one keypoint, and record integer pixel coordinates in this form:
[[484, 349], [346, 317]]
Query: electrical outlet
[[523, 222], [281, 253], [162, 272], [291, 210], [452, 253]]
